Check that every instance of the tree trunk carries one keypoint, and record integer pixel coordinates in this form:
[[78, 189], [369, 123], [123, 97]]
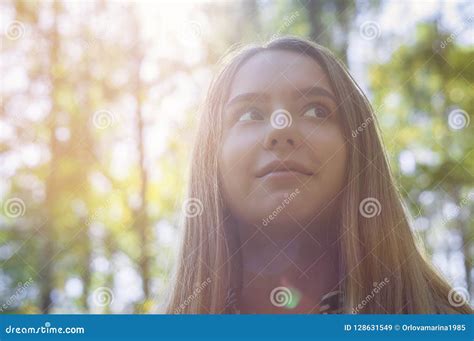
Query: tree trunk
[[45, 274], [141, 219]]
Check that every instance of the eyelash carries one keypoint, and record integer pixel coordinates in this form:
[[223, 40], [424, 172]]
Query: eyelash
[[304, 111], [318, 106], [241, 113]]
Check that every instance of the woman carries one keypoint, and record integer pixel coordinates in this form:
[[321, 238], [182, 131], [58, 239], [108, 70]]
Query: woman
[[297, 211]]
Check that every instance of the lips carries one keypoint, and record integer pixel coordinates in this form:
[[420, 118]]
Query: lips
[[283, 166]]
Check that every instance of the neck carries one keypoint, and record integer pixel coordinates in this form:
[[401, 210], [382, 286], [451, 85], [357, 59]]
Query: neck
[[304, 262]]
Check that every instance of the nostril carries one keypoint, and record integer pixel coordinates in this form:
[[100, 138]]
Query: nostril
[[274, 142], [290, 141]]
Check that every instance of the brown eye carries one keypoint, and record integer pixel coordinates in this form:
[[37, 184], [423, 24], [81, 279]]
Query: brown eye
[[317, 111], [251, 115]]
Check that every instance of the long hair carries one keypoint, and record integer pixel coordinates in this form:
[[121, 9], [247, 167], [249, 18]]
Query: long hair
[[374, 247]]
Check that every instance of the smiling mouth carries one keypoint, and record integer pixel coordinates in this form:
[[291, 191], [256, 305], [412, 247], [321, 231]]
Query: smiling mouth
[[278, 168], [284, 173]]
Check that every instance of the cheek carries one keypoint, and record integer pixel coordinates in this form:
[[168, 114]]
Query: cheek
[[331, 148], [236, 163]]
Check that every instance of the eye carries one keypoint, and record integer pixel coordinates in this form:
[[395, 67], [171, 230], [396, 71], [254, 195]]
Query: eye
[[317, 111], [251, 115]]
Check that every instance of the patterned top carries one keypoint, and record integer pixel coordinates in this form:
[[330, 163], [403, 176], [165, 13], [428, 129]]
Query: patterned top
[[330, 303]]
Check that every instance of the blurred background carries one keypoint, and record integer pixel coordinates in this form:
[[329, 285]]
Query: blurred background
[[98, 111]]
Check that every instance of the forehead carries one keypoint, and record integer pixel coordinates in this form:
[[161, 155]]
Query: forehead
[[277, 72]]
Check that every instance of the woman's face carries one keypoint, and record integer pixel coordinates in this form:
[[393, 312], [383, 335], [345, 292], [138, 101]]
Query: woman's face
[[283, 155]]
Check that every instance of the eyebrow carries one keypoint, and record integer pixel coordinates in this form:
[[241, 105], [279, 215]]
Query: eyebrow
[[249, 97], [315, 91], [260, 96]]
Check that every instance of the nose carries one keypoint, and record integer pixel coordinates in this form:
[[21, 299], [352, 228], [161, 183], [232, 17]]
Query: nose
[[282, 133]]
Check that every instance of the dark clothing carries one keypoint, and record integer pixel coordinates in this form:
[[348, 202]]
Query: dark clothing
[[330, 303]]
